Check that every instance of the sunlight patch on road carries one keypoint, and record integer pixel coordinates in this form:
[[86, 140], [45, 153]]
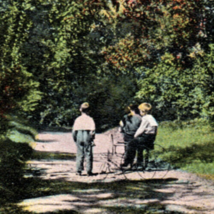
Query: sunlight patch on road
[[49, 203]]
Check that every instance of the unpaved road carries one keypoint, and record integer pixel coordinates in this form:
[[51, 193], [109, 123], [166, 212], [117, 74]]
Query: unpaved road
[[185, 193]]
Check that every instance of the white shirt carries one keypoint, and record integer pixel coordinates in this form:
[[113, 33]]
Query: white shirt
[[84, 122], [148, 125]]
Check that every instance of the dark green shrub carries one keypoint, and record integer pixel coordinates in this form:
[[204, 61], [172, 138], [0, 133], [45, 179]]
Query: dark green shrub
[[12, 162]]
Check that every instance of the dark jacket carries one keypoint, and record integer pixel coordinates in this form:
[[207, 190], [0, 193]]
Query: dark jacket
[[130, 125]]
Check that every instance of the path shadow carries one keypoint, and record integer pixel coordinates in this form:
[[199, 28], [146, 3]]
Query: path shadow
[[55, 129], [39, 155], [131, 196], [45, 141]]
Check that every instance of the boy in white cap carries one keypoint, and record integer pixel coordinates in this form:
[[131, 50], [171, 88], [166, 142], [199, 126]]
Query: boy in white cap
[[83, 135], [144, 137]]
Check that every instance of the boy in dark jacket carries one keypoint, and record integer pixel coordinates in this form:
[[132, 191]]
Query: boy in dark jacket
[[129, 125]]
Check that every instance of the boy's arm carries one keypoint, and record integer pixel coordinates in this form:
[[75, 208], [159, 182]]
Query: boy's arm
[[141, 129], [92, 135], [74, 135], [121, 123], [93, 130], [74, 131]]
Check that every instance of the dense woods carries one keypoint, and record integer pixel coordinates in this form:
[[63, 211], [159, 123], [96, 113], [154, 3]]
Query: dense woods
[[55, 54]]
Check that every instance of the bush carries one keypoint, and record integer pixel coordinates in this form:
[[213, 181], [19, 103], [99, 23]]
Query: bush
[[12, 164]]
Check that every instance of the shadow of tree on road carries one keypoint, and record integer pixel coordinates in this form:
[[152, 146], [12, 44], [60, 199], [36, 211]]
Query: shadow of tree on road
[[39, 155], [114, 197]]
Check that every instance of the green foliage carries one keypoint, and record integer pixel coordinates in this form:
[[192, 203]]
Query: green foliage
[[177, 92], [56, 54], [3, 128], [145, 30], [19, 88], [15, 138], [158, 44], [12, 163], [109, 98], [171, 90], [204, 72], [63, 57]]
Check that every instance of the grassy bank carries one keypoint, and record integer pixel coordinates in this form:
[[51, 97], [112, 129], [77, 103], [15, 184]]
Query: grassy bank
[[189, 146], [16, 137]]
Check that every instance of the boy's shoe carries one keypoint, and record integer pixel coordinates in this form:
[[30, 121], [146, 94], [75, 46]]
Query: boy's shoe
[[125, 166], [79, 173], [134, 166], [138, 167], [89, 174], [148, 168]]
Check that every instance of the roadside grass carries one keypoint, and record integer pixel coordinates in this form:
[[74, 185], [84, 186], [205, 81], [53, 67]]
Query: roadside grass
[[16, 137], [187, 146], [19, 130]]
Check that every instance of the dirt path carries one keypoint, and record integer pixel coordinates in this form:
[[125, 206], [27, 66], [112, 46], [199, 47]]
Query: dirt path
[[175, 190]]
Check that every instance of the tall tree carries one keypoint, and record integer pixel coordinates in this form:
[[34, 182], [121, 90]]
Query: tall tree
[[19, 89]]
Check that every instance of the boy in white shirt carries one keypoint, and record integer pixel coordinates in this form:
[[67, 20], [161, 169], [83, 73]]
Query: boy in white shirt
[[83, 135], [146, 134]]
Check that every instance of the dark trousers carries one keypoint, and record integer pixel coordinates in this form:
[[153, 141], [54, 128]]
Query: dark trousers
[[140, 144], [84, 151], [141, 161]]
